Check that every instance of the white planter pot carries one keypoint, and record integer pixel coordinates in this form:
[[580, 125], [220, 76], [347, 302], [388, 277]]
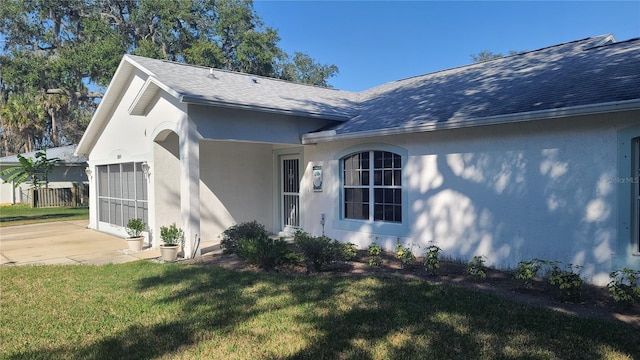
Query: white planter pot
[[135, 244], [169, 252]]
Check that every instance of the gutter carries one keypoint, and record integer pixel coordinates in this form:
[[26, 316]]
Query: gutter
[[591, 109]]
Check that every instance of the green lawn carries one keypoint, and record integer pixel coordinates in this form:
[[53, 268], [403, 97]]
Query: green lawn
[[148, 310], [24, 214]]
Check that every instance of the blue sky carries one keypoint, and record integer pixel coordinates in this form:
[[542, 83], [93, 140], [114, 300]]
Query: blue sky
[[374, 42]]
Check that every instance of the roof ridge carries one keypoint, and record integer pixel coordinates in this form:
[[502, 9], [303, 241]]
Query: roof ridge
[[239, 73], [494, 60]]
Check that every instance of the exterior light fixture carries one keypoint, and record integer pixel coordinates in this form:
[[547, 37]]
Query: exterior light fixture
[[146, 169], [88, 171]]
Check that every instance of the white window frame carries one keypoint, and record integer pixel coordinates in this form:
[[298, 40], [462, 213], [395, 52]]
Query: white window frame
[[375, 180], [396, 229]]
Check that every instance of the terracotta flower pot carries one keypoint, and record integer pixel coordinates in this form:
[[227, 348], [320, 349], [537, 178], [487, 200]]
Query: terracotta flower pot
[[169, 252], [136, 243]]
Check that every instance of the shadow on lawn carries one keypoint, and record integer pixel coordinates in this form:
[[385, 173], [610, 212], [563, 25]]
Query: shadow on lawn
[[35, 217], [347, 318]]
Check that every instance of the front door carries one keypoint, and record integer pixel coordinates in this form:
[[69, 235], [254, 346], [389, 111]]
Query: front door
[[290, 193]]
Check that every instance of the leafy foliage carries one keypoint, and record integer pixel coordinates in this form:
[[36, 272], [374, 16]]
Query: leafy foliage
[[527, 270], [317, 251], [59, 53], [246, 230], [135, 227], [36, 170], [171, 235], [265, 252], [374, 254], [432, 259], [349, 251], [405, 255], [624, 286], [568, 282], [476, 267]]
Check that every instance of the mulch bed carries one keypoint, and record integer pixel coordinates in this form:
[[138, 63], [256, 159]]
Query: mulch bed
[[596, 302]]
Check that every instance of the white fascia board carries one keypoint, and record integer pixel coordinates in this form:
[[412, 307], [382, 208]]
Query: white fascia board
[[149, 90], [592, 109]]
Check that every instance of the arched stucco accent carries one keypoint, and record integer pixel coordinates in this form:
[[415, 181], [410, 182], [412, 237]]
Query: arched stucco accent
[[162, 130]]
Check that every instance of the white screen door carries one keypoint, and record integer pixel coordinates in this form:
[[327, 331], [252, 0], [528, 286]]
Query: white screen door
[[290, 192]]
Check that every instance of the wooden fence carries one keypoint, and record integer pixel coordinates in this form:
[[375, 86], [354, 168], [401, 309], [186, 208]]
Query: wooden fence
[[77, 195]]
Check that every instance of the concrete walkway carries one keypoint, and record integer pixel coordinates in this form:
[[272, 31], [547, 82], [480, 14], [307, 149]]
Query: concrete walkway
[[66, 242]]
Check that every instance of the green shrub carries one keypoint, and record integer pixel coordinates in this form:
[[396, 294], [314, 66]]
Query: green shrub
[[264, 252], [374, 255], [246, 230], [317, 251], [349, 251], [476, 267], [624, 286], [135, 227], [527, 270], [568, 282], [405, 255], [432, 259], [171, 235]]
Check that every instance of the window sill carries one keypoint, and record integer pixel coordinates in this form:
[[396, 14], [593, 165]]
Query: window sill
[[372, 227]]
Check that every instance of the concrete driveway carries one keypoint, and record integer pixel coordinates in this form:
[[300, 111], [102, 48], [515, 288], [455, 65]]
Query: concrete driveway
[[65, 242]]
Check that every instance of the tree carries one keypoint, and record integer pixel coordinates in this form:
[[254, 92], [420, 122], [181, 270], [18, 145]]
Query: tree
[[486, 55], [36, 170], [66, 51]]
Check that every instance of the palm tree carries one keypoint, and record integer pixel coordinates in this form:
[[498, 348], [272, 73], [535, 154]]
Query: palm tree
[[24, 115]]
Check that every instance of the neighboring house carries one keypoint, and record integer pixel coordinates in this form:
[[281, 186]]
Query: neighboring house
[[530, 155], [71, 170]]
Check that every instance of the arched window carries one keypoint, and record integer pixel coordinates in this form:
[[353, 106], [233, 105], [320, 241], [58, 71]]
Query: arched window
[[372, 186]]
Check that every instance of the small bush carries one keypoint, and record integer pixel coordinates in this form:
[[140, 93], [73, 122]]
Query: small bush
[[527, 270], [264, 252], [171, 235], [317, 251], [374, 255], [247, 230], [476, 267], [432, 259], [405, 255], [135, 227], [349, 251], [624, 286], [568, 282]]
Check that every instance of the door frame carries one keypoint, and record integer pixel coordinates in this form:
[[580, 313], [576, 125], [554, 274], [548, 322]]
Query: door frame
[[279, 221]]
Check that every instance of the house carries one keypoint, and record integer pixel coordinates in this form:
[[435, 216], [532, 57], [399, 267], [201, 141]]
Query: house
[[71, 170], [531, 155]]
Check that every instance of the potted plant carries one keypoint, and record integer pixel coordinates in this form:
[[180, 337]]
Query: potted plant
[[172, 238], [134, 228]]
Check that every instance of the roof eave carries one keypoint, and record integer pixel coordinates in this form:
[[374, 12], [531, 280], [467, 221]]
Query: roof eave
[[582, 110], [291, 112], [116, 86]]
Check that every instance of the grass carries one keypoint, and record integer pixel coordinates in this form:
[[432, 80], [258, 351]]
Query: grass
[[172, 311], [23, 214]]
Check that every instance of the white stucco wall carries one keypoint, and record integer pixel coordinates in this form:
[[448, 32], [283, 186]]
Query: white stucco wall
[[131, 138], [236, 185], [508, 192]]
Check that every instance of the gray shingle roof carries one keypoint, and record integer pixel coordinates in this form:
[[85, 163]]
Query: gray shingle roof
[[65, 153], [585, 72], [583, 76], [193, 85]]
